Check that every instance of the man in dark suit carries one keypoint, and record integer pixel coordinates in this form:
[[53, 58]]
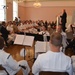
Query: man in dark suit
[[4, 32], [63, 20]]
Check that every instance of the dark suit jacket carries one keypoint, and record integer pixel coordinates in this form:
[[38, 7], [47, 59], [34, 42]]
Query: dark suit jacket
[[64, 17], [4, 32]]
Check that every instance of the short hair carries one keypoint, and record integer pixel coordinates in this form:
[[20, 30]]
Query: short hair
[[45, 27], [1, 42], [56, 39]]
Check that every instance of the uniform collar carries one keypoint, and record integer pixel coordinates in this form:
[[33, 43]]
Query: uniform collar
[[52, 52]]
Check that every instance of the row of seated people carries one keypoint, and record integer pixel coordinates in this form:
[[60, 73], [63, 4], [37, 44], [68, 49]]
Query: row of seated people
[[10, 29], [53, 60], [13, 29]]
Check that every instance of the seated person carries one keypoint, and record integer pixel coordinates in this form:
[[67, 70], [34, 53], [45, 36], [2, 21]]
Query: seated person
[[64, 37], [44, 31], [53, 60], [11, 65], [71, 44], [4, 32]]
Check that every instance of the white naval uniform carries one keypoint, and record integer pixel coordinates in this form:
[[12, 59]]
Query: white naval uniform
[[64, 40], [11, 65], [52, 61], [44, 33]]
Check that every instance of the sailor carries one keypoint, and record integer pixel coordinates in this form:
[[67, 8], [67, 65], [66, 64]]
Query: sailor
[[11, 65]]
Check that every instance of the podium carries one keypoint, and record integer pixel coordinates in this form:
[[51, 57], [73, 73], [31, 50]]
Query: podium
[[24, 40]]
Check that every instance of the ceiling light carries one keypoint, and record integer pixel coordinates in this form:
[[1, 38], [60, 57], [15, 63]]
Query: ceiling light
[[37, 4]]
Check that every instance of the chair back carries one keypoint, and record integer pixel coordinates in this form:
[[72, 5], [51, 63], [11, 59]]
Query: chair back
[[52, 73]]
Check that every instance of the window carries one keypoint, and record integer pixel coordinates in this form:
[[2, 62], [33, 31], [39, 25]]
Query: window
[[15, 9], [2, 10]]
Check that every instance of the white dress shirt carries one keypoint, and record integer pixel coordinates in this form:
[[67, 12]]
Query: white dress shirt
[[11, 65], [64, 40], [44, 33], [52, 61]]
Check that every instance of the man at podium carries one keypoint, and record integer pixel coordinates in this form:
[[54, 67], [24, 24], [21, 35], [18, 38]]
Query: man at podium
[[64, 19]]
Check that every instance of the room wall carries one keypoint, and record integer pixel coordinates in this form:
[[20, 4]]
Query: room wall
[[22, 12], [9, 11], [48, 11]]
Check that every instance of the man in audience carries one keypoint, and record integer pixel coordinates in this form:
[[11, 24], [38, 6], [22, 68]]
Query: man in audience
[[64, 37], [4, 32], [11, 65], [53, 60], [44, 31]]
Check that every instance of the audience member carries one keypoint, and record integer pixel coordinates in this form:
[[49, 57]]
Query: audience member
[[64, 37], [4, 32], [11, 65], [16, 20], [44, 31], [53, 60], [19, 20]]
